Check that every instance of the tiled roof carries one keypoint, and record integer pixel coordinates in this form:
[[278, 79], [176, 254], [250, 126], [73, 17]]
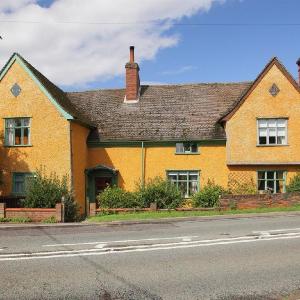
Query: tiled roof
[[163, 113]]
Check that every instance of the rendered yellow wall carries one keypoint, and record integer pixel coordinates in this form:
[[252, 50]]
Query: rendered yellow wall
[[50, 136], [210, 162], [241, 129], [79, 161]]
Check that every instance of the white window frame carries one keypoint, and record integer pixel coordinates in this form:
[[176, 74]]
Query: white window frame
[[10, 131], [187, 181], [273, 179], [268, 129], [182, 145]]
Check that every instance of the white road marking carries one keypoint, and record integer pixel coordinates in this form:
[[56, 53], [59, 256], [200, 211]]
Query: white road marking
[[143, 248], [122, 241], [277, 230]]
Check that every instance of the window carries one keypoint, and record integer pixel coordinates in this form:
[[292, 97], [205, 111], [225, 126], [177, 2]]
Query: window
[[17, 132], [186, 148], [272, 131], [186, 181], [19, 182], [273, 181]]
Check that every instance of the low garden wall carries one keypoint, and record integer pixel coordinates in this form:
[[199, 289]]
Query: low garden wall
[[259, 200], [35, 214]]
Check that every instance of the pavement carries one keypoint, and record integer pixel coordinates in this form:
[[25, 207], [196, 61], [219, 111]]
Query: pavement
[[253, 257]]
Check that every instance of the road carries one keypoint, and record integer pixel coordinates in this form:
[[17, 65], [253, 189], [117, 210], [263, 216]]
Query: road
[[238, 258]]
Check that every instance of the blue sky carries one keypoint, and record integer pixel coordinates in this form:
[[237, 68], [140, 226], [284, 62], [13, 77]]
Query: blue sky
[[228, 53], [79, 56]]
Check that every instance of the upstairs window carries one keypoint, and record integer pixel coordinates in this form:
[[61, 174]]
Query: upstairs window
[[17, 132], [272, 131], [186, 181], [272, 181], [186, 148]]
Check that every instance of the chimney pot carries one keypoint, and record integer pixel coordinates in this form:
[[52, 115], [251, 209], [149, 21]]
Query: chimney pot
[[131, 57]]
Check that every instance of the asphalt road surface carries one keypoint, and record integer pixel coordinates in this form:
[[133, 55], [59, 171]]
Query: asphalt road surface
[[239, 258]]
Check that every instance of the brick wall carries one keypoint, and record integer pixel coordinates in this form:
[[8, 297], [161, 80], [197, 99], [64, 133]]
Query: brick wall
[[35, 214], [260, 200]]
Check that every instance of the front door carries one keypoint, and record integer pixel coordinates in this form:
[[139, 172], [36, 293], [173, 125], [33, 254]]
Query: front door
[[101, 183]]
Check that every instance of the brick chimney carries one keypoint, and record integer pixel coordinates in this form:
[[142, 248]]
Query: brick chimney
[[298, 63], [132, 79]]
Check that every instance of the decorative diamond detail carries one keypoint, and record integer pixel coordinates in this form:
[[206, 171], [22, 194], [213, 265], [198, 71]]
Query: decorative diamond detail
[[274, 90], [16, 90]]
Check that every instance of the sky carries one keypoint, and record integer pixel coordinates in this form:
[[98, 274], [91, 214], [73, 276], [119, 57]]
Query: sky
[[81, 45]]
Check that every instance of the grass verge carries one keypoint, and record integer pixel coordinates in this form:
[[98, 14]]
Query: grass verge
[[15, 220], [105, 217]]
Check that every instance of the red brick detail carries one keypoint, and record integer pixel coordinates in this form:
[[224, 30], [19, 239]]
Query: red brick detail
[[35, 214], [93, 209], [259, 201], [132, 81], [2, 210]]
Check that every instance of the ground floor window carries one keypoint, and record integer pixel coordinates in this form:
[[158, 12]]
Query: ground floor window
[[273, 181], [19, 182], [186, 181]]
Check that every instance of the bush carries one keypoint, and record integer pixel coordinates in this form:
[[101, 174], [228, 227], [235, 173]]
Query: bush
[[115, 197], [294, 184], [208, 196], [44, 191], [162, 192]]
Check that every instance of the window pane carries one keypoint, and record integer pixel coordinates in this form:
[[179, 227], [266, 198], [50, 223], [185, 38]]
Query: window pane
[[262, 132], [261, 185], [183, 188], [26, 121], [187, 147], [262, 123], [182, 176], [179, 148], [271, 185], [270, 175], [262, 140], [281, 123], [18, 122], [172, 177], [193, 187], [9, 137], [9, 123], [193, 177], [25, 136], [261, 175], [194, 148], [18, 136], [272, 123]]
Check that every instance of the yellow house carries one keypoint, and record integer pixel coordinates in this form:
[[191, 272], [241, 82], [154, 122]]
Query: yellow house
[[189, 133]]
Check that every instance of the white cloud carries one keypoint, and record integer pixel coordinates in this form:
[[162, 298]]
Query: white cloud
[[180, 70], [78, 53]]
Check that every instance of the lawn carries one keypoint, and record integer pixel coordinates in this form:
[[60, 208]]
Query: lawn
[[104, 217]]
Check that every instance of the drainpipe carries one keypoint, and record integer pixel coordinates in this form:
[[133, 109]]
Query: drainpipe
[[143, 165]]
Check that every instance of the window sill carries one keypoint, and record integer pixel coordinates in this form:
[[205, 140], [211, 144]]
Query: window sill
[[12, 146], [272, 145], [196, 153]]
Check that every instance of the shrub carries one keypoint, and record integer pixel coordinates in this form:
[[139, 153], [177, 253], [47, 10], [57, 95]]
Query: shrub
[[44, 191], [162, 192], [49, 220], [208, 196], [294, 184], [115, 197]]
